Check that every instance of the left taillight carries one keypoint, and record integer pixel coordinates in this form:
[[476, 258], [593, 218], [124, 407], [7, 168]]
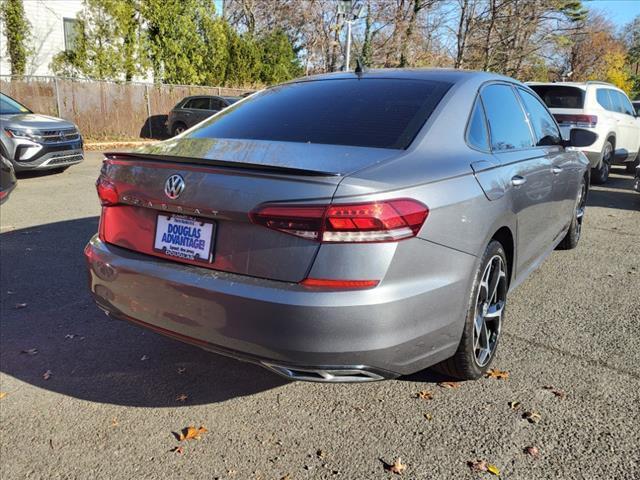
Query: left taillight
[[107, 192], [381, 221]]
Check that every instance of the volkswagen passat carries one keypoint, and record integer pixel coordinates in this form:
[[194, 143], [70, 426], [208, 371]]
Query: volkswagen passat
[[345, 227]]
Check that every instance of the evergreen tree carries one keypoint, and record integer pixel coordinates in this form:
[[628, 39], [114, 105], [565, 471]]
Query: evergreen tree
[[16, 29]]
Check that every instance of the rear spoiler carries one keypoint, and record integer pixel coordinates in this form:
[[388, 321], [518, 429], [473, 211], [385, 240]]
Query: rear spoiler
[[147, 157]]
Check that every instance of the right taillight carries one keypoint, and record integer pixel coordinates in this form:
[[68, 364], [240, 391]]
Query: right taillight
[[107, 192], [382, 221], [577, 120]]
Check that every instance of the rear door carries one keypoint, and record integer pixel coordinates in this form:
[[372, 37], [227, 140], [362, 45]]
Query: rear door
[[628, 126], [526, 171], [196, 110], [563, 163]]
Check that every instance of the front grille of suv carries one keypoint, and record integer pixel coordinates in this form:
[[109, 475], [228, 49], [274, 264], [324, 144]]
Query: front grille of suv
[[58, 136]]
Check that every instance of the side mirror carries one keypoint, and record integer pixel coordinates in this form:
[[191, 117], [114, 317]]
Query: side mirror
[[579, 137]]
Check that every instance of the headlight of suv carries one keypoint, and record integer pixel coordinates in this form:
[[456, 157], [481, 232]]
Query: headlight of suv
[[25, 133]]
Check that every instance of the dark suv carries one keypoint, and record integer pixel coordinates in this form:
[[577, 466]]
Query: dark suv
[[37, 142], [192, 110]]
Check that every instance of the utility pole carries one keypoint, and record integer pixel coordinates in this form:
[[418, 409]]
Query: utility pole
[[350, 10]]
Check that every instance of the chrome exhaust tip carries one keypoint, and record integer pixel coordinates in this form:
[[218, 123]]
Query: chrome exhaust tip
[[352, 374]]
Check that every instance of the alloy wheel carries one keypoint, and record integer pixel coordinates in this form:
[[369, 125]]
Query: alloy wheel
[[581, 204], [490, 303]]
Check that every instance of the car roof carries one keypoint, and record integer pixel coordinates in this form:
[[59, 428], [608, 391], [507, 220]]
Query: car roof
[[449, 75]]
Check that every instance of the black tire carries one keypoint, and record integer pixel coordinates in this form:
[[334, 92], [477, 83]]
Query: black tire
[[464, 364], [178, 128], [631, 166], [600, 174], [572, 237]]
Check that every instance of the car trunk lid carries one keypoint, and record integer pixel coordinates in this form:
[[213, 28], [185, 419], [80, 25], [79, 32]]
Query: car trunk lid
[[223, 188]]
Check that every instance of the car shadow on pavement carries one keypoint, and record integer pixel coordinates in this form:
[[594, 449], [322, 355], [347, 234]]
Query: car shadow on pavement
[[617, 193], [49, 324]]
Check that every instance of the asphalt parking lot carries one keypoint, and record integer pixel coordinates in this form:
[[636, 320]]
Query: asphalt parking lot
[[115, 394]]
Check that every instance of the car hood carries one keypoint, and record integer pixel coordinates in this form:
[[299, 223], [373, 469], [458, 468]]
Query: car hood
[[34, 120], [320, 159]]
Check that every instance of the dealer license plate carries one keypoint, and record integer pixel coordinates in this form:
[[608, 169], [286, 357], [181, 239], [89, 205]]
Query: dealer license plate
[[185, 237]]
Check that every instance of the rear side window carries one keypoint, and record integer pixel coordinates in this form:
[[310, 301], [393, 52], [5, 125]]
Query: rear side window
[[370, 112], [477, 134], [201, 103], [543, 125], [556, 96], [507, 123], [623, 102], [217, 104], [602, 96]]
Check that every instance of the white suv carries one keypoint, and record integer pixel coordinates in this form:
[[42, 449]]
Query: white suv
[[602, 108]]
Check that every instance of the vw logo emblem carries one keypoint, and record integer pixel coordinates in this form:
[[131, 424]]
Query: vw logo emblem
[[174, 186]]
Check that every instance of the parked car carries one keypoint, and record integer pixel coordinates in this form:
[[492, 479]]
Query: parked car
[[192, 110], [32, 141], [636, 105], [603, 109], [343, 227], [7, 179], [636, 180]]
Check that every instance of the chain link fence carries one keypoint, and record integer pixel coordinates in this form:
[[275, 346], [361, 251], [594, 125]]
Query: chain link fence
[[105, 110]]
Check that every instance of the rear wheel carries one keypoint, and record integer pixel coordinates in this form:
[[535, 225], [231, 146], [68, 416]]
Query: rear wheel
[[178, 128], [631, 166], [600, 174], [572, 237], [484, 317]]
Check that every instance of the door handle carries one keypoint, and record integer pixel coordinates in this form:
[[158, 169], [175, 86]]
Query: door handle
[[517, 180], [556, 170]]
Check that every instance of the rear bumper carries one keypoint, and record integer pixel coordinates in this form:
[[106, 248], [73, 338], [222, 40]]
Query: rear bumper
[[380, 332]]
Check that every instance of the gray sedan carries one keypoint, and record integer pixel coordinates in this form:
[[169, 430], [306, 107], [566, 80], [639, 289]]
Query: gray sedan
[[345, 227]]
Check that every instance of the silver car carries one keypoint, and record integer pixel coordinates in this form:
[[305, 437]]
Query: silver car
[[37, 142], [345, 227]]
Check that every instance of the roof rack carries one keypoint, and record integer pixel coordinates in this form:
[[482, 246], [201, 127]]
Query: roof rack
[[598, 82]]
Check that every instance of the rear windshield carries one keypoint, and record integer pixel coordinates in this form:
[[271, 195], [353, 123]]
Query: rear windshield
[[373, 112], [557, 96]]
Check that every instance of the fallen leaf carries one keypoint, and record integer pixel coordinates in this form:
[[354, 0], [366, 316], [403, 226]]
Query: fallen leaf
[[514, 405], [181, 370], [2, 395], [31, 351], [555, 391], [449, 384], [286, 477], [114, 422], [497, 374], [191, 433], [178, 450], [21, 305], [143, 358], [424, 395], [428, 416], [532, 451], [531, 417], [70, 335], [477, 465], [47, 375], [182, 397], [492, 469], [397, 467], [10, 292], [321, 453]]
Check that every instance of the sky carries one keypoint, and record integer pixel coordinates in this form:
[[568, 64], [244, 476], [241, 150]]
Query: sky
[[620, 12]]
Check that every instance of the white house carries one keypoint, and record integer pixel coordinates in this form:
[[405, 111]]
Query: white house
[[52, 30]]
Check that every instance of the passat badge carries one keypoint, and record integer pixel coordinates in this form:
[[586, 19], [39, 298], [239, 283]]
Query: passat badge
[[174, 186]]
